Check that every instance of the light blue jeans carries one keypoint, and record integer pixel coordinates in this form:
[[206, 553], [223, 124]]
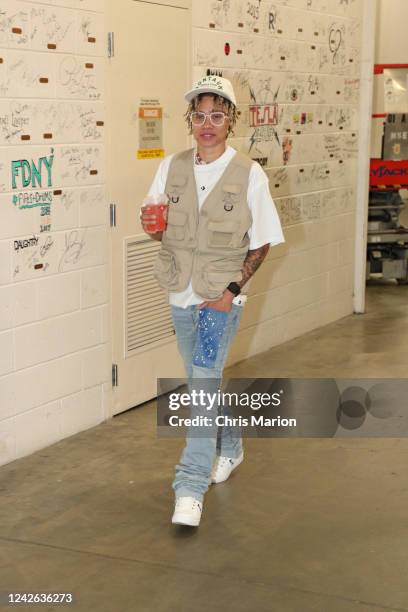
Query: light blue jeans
[[203, 339]]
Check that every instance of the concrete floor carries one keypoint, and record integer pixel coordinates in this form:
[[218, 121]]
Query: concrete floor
[[302, 525]]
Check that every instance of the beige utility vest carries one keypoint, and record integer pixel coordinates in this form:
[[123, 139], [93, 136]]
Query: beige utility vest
[[208, 245]]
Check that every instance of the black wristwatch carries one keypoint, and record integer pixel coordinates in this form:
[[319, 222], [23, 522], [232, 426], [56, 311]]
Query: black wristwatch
[[234, 288]]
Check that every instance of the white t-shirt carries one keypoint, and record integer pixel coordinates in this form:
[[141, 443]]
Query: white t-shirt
[[266, 227]]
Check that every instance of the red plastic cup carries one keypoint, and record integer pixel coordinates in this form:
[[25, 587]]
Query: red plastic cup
[[160, 209]]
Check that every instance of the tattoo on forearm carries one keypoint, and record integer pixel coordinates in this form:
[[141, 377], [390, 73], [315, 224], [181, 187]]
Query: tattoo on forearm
[[252, 262]]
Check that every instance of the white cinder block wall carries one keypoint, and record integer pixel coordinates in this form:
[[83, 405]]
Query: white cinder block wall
[[300, 59], [295, 68], [54, 351]]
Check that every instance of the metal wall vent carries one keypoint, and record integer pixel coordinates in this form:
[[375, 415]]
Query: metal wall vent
[[148, 316]]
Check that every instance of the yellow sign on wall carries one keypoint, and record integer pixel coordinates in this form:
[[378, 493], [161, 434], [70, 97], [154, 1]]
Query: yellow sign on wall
[[150, 133], [150, 153]]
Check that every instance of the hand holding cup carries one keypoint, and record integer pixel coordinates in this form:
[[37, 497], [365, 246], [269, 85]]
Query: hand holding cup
[[153, 214]]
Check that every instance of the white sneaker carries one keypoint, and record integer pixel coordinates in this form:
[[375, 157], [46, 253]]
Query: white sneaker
[[187, 511], [224, 466]]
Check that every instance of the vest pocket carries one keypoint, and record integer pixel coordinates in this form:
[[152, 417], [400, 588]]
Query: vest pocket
[[222, 234], [175, 188], [164, 268], [217, 280], [176, 224]]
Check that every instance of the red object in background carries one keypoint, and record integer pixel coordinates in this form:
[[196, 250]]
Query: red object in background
[[386, 173], [379, 68], [227, 48]]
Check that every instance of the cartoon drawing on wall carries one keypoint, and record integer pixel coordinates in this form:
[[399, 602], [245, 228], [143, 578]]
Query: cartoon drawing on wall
[[263, 115], [336, 38]]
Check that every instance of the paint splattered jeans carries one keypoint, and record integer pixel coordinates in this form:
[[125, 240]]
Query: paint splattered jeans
[[203, 338]]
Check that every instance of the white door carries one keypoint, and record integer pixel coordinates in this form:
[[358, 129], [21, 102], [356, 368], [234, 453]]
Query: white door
[[146, 77]]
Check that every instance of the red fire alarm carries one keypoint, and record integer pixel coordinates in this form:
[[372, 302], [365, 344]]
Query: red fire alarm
[[227, 48]]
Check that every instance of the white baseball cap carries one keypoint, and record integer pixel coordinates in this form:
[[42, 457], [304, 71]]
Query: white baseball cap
[[212, 84]]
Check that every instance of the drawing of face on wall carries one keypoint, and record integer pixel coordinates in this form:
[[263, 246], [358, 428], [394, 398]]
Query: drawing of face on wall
[[287, 149], [265, 95]]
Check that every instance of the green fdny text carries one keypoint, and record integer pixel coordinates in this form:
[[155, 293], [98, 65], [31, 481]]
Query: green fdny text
[[31, 173]]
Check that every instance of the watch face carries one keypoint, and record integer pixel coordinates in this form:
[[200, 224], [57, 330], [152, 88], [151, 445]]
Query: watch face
[[235, 288]]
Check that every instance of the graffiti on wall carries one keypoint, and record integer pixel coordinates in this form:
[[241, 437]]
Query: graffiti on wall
[[34, 175], [31, 255]]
